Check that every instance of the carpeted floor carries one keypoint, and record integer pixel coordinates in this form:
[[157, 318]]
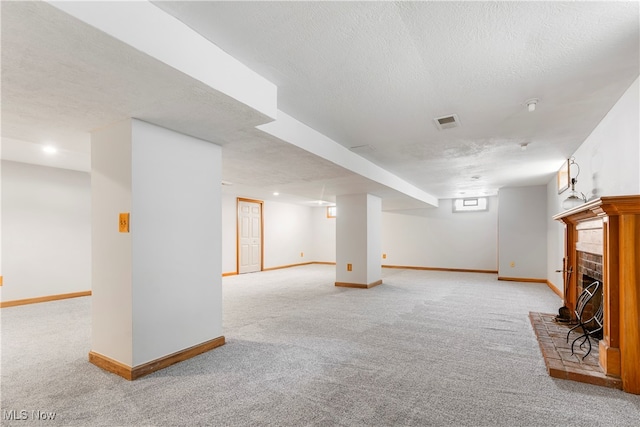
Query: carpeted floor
[[425, 348]]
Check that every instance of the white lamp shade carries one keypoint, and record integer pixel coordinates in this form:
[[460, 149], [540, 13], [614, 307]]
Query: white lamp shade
[[572, 201]]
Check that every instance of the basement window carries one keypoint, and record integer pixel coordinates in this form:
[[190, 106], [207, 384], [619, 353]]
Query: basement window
[[473, 204], [331, 211]]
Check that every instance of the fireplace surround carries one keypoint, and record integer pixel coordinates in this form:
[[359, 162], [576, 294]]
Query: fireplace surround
[[609, 227]]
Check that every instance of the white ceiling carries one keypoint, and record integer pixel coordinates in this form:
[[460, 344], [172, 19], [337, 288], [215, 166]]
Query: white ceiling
[[362, 73]]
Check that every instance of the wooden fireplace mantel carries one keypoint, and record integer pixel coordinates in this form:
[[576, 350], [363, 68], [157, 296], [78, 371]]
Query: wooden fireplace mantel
[[620, 345]]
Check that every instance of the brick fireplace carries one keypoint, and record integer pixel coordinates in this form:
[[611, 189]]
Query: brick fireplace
[[602, 242], [589, 269], [589, 261]]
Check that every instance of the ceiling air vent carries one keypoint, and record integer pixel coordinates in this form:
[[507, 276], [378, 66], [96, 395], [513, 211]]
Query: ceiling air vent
[[447, 122]]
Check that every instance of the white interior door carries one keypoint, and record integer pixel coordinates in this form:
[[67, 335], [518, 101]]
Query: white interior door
[[250, 236]]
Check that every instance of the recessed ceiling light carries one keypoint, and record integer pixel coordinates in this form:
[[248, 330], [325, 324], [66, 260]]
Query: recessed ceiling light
[[227, 182], [49, 149], [523, 146], [275, 193], [475, 177]]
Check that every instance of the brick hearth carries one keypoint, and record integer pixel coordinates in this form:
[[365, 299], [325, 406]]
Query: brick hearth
[[557, 353]]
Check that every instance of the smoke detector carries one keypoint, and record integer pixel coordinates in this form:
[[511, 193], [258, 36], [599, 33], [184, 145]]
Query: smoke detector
[[447, 122], [531, 104]]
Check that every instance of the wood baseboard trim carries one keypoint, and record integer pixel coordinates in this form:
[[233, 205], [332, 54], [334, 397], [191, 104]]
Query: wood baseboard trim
[[48, 298], [455, 270], [133, 373], [110, 365], [233, 273], [359, 285], [286, 266], [522, 279], [555, 289], [179, 356]]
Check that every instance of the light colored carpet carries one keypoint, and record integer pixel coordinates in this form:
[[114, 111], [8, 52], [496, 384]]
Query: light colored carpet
[[425, 348]]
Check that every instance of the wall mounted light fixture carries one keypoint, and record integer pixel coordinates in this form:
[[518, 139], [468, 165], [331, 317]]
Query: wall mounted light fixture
[[575, 198]]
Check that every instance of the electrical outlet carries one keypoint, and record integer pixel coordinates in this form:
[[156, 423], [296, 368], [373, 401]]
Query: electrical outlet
[[384, 256], [513, 264], [301, 254], [349, 267]]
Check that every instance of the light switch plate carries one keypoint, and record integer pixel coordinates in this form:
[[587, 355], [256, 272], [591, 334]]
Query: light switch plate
[[123, 226]]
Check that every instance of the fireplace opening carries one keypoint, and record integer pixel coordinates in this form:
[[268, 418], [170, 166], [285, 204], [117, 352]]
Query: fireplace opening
[[589, 271]]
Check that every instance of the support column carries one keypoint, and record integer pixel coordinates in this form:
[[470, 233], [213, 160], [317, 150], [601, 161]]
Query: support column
[[358, 241], [156, 288]]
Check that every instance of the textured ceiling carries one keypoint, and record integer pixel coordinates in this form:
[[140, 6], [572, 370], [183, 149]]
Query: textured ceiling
[[62, 79], [377, 73], [362, 73]]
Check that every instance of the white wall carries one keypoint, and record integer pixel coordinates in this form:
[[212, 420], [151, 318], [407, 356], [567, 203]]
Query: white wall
[[358, 238], [442, 239], [351, 238], [46, 223], [229, 230], [373, 240], [555, 237], [609, 162], [522, 237], [157, 289], [324, 235], [608, 158], [175, 229], [111, 303], [1, 245], [288, 232], [436, 238]]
